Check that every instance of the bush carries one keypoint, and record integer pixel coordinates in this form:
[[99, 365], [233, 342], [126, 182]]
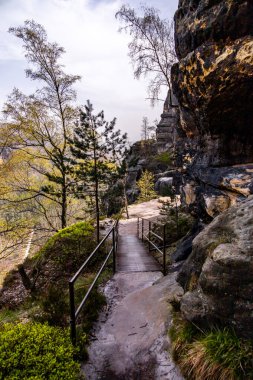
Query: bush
[[146, 187], [50, 270], [36, 351], [178, 222], [69, 245], [164, 158]]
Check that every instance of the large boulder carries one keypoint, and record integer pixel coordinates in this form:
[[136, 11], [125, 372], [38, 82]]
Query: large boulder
[[164, 185], [217, 276], [214, 189]]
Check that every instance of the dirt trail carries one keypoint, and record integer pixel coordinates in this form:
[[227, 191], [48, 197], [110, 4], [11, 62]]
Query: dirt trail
[[130, 340]]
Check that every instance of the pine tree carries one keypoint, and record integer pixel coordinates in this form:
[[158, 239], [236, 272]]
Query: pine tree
[[96, 149]]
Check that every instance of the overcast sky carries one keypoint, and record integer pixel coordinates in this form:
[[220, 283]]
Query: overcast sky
[[88, 31]]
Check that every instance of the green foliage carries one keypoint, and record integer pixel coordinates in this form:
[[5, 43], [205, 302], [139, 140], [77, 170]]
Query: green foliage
[[181, 333], [217, 353], [51, 268], [36, 351], [164, 158], [178, 222], [7, 316], [224, 347], [41, 123], [91, 310], [53, 306], [50, 301], [146, 187], [72, 244], [97, 153]]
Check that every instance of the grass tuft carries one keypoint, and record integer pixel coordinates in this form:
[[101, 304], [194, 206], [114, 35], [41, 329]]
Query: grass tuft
[[216, 354]]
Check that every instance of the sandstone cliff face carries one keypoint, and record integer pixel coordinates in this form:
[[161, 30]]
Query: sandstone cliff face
[[200, 20], [218, 273], [213, 82]]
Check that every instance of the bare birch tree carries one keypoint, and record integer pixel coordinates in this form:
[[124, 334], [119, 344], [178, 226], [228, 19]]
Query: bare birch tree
[[152, 47]]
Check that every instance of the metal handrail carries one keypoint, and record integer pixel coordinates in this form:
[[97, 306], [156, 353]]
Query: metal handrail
[[157, 236], [151, 221], [74, 312], [152, 243], [148, 238]]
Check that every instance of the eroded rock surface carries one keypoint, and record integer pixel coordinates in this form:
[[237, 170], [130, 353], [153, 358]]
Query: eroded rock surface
[[214, 86], [131, 340], [218, 274], [213, 83], [200, 20]]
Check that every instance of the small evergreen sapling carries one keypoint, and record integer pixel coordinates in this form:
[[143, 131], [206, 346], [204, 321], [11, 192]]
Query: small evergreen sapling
[[146, 187]]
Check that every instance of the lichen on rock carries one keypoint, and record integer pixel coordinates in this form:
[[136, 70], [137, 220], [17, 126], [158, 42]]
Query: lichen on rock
[[213, 83]]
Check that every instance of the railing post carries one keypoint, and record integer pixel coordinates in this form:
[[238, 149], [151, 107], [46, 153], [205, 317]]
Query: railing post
[[149, 235], [114, 250], [177, 220], [142, 229], [164, 250], [72, 313], [138, 232]]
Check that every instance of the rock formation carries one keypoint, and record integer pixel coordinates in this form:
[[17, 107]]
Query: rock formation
[[213, 82], [167, 129], [218, 274]]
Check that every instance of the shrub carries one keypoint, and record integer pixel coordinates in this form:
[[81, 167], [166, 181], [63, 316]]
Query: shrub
[[36, 351], [49, 271], [67, 245], [146, 187], [164, 158], [178, 222]]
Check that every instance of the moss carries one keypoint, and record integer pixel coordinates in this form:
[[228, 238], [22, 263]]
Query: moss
[[224, 237], [50, 270], [69, 236]]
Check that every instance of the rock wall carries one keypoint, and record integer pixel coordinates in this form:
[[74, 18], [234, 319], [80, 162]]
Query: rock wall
[[217, 276], [213, 82]]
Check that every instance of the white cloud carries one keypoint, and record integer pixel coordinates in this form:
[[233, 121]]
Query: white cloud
[[88, 31]]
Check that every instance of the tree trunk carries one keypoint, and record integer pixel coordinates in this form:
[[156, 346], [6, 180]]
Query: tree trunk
[[97, 208], [25, 279], [64, 205], [125, 198], [96, 190]]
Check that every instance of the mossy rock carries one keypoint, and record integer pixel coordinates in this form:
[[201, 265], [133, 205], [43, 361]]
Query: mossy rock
[[50, 269]]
